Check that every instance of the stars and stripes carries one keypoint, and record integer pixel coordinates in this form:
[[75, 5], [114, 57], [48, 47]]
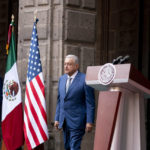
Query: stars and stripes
[[35, 118]]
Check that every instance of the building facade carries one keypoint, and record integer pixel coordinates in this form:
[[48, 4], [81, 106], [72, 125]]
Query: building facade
[[97, 31]]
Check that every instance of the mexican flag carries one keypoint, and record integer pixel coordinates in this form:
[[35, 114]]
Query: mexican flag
[[12, 113]]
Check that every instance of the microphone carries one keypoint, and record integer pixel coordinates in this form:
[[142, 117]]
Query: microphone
[[124, 60], [117, 60]]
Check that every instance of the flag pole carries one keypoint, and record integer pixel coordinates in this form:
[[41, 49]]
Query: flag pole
[[12, 20], [35, 15], [9, 33]]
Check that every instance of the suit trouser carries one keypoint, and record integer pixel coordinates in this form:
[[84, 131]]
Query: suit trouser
[[72, 137]]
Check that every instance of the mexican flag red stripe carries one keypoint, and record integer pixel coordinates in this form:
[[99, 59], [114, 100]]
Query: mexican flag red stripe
[[12, 113]]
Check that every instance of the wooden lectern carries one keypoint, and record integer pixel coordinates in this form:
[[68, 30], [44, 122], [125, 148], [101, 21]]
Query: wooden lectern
[[120, 122]]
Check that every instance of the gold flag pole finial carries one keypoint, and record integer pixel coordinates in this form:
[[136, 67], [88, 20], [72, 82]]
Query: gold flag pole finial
[[12, 18], [35, 15]]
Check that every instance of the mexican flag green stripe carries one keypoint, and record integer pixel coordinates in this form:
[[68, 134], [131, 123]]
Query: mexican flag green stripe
[[12, 56]]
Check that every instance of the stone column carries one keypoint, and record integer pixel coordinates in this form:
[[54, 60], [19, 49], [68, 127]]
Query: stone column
[[80, 39], [79, 31], [64, 27]]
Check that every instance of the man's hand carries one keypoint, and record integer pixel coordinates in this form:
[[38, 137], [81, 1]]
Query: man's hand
[[89, 127], [56, 124]]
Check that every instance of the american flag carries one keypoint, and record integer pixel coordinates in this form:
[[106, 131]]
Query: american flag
[[35, 118]]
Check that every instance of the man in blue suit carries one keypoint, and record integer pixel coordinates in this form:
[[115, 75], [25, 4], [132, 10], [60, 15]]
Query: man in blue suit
[[76, 104]]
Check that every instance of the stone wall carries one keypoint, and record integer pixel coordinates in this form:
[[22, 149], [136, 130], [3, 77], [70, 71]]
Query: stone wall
[[80, 39], [80, 30], [64, 27], [95, 30]]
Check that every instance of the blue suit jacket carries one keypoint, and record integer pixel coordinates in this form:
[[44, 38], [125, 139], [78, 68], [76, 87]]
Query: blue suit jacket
[[77, 106]]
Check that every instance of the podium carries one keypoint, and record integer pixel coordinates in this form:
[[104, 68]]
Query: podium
[[120, 120]]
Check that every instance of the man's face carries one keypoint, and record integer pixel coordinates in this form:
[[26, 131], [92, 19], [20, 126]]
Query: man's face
[[70, 67]]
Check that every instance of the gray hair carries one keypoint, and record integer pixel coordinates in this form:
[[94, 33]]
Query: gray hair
[[74, 57]]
